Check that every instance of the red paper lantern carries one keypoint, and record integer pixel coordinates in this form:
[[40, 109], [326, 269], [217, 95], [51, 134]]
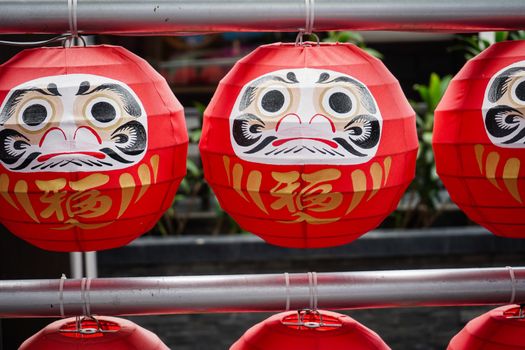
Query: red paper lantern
[[479, 138], [321, 330], [101, 334], [310, 145], [498, 329], [92, 147]]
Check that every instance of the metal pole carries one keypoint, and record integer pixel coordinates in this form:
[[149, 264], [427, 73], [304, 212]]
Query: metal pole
[[76, 265], [153, 17], [250, 293]]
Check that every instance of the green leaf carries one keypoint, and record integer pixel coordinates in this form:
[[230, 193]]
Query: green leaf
[[501, 36], [192, 168]]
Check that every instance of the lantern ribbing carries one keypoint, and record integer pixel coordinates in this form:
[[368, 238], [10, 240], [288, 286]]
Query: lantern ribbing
[[205, 16], [252, 293]]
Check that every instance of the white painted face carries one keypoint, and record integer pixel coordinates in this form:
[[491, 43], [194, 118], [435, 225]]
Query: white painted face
[[76, 122], [305, 116], [504, 107]]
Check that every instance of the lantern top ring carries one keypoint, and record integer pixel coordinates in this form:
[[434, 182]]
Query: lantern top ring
[[300, 42], [88, 330], [69, 41]]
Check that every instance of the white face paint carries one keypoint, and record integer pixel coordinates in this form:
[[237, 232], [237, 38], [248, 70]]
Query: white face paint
[[305, 116], [76, 122], [504, 107]]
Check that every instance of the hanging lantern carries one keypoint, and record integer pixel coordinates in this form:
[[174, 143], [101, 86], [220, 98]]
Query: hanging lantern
[[309, 330], [92, 147], [309, 145], [101, 333], [499, 329], [479, 139]]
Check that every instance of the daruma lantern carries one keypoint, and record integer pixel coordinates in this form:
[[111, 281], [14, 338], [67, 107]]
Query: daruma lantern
[[90, 334], [92, 147], [306, 330], [500, 329], [479, 139], [310, 145]]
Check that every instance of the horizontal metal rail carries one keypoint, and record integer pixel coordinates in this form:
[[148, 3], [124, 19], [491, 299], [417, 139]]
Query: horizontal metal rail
[[252, 293], [157, 17]]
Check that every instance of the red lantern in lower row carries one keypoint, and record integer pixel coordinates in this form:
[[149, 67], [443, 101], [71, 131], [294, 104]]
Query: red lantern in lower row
[[309, 330], [500, 329], [309, 145], [479, 139], [92, 147], [102, 333]]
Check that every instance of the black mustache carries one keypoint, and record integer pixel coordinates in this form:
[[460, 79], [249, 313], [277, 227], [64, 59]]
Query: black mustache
[[261, 145], [111, 153], [496, 130], [348, 147], [27, 161]]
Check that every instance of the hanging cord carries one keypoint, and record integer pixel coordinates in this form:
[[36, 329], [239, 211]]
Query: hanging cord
[[59, 38], [287, 286], [308, 23], [61, 295], [513, 285], [73, 25], [314, 293], [66, 39], [85, 286]]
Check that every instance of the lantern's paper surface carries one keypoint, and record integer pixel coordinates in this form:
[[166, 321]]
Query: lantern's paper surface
[[498, 329], [309, 146], [479, 139], [92, 147], [342, 333], [117, 334]]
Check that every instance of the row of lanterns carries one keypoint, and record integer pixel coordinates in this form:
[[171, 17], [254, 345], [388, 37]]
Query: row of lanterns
[[500, 329], [304, 145]]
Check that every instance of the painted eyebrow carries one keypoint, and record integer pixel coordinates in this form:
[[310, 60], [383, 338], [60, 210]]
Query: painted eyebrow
[[501, 84], [17, 95], [367, 99], [249, 94], [131, 106]]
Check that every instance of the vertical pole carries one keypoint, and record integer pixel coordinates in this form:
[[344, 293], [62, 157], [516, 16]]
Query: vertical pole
[[91, 264], [76, 265]]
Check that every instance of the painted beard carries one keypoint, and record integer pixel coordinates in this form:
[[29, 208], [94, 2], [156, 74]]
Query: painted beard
[[76, 122], [504, 106], [361, 133], [305, 116]]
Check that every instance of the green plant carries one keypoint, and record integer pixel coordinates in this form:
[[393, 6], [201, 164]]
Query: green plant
[[354, 38], [475, 44], [424, 193]]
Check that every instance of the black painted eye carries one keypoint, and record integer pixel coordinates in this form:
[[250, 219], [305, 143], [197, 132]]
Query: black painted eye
[[339, 102], [35, 114], [274, 101], [520, 91], [103, 112]]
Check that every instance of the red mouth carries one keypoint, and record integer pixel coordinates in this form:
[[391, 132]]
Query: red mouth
[[45, 157], [332, 144]]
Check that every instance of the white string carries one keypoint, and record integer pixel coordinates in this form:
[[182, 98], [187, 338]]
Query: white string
[[287, 284], [72, 7], [85, 285], [61, 295], [312, 284], [513, 283], [310, 16]]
